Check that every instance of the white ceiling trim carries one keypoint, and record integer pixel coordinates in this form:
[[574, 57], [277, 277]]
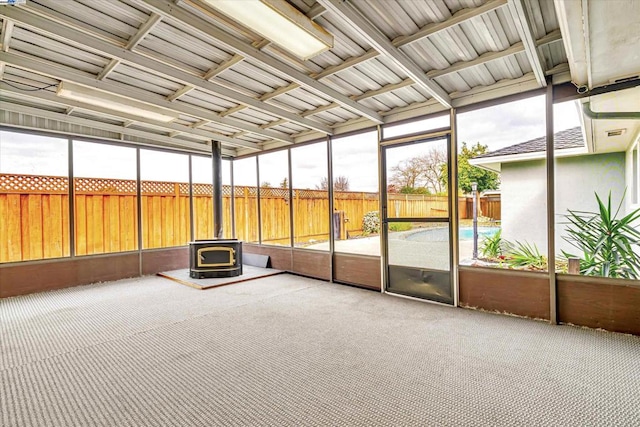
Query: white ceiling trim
[[523, 25]]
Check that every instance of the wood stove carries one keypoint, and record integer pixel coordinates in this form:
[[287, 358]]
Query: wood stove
[[215, 258]]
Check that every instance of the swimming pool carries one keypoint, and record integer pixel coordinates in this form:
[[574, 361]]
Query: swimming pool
[[442, 234]]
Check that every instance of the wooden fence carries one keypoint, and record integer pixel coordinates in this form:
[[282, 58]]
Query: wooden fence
[[34, 214]]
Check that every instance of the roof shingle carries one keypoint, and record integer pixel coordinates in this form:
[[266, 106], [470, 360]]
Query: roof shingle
[[569, 138]]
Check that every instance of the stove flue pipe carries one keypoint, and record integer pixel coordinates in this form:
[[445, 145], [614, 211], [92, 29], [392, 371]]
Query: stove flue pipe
[[216, 157]]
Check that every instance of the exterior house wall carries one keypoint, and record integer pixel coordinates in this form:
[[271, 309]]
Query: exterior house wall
[[524, 202], [632, 180], [577, 178]]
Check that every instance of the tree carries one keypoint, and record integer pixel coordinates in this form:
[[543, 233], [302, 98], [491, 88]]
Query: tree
[[407, 173], [265, 184], [421, 174], [468, 173], [284, 183], [324, 184], [340, 183], [435, 170]]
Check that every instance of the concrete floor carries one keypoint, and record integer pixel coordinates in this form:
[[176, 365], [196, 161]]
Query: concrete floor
[[287, 350], [404, 252]]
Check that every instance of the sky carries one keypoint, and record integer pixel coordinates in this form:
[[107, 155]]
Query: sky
[[354, 157]]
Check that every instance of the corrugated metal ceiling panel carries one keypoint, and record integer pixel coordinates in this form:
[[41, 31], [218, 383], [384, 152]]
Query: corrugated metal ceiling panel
[[141, 79], [34, 44], [181, 46], [207, 101]]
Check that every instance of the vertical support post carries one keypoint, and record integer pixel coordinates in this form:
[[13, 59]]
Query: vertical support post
[[191, 223], [139, 207], [232, 201], [474, 194], [291, 210], [258, 201], [331, 205], [551, 207], [216, 158], [382, 208], [71, 192], [454, 204]]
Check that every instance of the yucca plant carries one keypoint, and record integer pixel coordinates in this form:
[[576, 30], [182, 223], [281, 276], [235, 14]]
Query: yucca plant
[[526, 255], [492, 247], [609, 246]]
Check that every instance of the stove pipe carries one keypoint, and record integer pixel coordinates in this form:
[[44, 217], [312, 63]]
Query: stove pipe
[[216, 157]]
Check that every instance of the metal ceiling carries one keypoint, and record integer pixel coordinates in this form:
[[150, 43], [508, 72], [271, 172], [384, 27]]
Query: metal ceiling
[[391, 60]]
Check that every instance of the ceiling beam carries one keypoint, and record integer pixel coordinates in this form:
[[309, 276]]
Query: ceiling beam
[[129, 118], [225, 65], [482, 59], [456, 19], [426, 31], [143, 31], [133, 42], [523, 26], [108, 69], [59, 30], [429, 29], [7, 32], [60, 72], [454, 68], [52, 115], [382, 44], [182, 91], [204, 28]]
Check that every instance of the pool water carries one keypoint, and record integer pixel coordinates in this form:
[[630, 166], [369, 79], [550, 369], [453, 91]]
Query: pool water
[[442, 234]]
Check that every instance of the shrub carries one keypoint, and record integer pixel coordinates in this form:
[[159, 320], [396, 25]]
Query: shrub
[[371, 223], [606, 242], [400, 226], [493, 247], [526, 255]]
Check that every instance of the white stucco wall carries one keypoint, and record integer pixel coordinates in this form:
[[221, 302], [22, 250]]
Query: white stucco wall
[[577, 178], [524, 202]]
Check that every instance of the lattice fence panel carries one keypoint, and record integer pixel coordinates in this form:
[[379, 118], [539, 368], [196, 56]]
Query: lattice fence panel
[[104, 186], [33, 184]]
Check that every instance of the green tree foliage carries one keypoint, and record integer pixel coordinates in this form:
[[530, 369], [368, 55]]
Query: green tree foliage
[[414, 190], [467, 173]]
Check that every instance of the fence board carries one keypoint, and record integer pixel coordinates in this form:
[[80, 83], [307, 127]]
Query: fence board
[[34, 216], [36, 231]]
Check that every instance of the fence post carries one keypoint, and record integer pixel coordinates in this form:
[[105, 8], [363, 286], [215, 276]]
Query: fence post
[[246, 213], [574, 266]]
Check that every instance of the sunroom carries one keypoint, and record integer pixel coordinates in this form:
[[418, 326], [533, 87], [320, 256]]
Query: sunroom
[[348, 141]]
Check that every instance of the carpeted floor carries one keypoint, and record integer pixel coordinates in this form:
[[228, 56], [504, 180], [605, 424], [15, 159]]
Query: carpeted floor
[[287, 350]]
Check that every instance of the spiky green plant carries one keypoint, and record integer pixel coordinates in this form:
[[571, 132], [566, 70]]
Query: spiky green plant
[[609, 245], [493, 247], [526, 255]]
